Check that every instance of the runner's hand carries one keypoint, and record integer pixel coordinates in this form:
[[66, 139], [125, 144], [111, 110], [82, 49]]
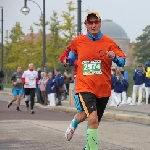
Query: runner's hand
[[111, 54], [66, 61]]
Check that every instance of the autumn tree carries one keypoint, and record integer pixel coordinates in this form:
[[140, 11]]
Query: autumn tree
[[142, 46], [130, 55], [55, 45], [69, 26], [14, 48]]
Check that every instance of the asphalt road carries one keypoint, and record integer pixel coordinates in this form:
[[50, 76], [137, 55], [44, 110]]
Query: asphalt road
[[45, 129]]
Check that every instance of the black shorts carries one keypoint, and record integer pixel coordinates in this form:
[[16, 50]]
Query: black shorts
[[29, 91], [91, 103]]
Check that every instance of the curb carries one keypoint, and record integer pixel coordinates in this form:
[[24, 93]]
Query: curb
[[108, 115]]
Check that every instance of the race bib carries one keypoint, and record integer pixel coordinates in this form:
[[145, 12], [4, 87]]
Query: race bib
[[31, 78], [18, 80], [91, 67]]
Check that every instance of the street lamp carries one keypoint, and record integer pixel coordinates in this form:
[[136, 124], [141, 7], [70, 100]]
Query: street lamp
[[79, 28], [25, 10], [2, 46]]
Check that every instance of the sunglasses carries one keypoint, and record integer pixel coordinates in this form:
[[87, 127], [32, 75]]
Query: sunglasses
[[95, 22]]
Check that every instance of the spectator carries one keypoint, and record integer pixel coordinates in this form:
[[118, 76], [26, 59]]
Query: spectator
[[118, 86], [125, 89], [59, 86], [51, 89], [67, 80], [43, 87], [113, 76], [139, 79], [147, 81], [38, 92], [1, 79], [124, 73]]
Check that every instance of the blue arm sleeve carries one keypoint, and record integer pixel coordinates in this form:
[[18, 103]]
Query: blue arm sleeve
[[72, 57], [120, 62]]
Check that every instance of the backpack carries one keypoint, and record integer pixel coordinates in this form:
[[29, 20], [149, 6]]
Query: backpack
[[148, 72]]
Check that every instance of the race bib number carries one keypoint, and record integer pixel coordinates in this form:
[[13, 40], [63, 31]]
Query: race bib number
[[31, 78], [91, 67]]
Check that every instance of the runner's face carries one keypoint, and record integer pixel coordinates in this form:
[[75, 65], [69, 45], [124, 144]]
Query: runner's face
[[19, 69], [31, 67], [93, 26]]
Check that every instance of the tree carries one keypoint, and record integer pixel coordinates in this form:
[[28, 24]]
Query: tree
[[14, 49], [69, 27], [55, 45], [142, 46], [130, 55], [16, 34]]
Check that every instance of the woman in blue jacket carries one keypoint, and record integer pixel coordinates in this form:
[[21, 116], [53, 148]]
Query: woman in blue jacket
[[51, 89], [139, 79], [118, 86]]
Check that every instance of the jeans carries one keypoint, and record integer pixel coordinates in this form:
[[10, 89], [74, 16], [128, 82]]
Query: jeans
[[38, 93], [59, 96]]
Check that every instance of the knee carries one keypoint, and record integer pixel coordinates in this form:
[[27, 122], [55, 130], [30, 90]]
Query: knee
[[81, 116], [27, 97], [93, 120]]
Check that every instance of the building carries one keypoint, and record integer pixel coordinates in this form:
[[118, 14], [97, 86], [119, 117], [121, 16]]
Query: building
[[117, 33]]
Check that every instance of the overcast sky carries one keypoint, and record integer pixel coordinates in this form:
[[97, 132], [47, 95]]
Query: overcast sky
[[132, 15]]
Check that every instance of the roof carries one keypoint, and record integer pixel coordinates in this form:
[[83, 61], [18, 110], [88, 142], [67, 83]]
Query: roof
[[113, 30]]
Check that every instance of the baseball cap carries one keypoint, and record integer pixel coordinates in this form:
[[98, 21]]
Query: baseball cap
[[92, 14]]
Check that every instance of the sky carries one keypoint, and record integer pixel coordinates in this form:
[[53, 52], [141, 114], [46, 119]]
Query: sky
[[131, 15]]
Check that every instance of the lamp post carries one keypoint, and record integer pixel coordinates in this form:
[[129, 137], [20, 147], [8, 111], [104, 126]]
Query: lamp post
[[2, 49], [79, 28], [2, 46], [25, 10]]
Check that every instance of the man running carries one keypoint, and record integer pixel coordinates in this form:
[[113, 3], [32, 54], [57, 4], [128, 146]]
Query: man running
[[95, 53], [17, 89], [30, 79]]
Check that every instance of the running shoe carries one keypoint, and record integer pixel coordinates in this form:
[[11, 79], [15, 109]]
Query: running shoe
[[32, 112], [17, 109], [9, 104], [69, 132]]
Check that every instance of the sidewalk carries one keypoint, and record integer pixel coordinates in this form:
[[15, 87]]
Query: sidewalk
[[137, 114]]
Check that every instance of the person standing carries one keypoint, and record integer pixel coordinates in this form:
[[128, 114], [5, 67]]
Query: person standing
[[30, 79], [1, 79], [51, 89], [43, 87], [139, 80], [17, 89], [38, 92], [95, 53], [59, 86], [67, 80]]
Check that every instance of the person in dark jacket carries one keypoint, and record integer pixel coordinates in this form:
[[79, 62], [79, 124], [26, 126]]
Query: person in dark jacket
[[118, 83], [139, 79], [59, 86], [51, 89], [1, 79], [38, 92], [113, 77]]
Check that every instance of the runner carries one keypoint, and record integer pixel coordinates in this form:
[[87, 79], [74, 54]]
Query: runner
[[29, 79], [95, 53], [17, 89]]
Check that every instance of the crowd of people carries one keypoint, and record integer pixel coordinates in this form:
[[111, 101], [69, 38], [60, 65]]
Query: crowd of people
[[120, 85], [46, 85]]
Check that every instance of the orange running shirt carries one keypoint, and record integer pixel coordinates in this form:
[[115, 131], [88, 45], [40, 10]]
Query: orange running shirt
[[98, 83]]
